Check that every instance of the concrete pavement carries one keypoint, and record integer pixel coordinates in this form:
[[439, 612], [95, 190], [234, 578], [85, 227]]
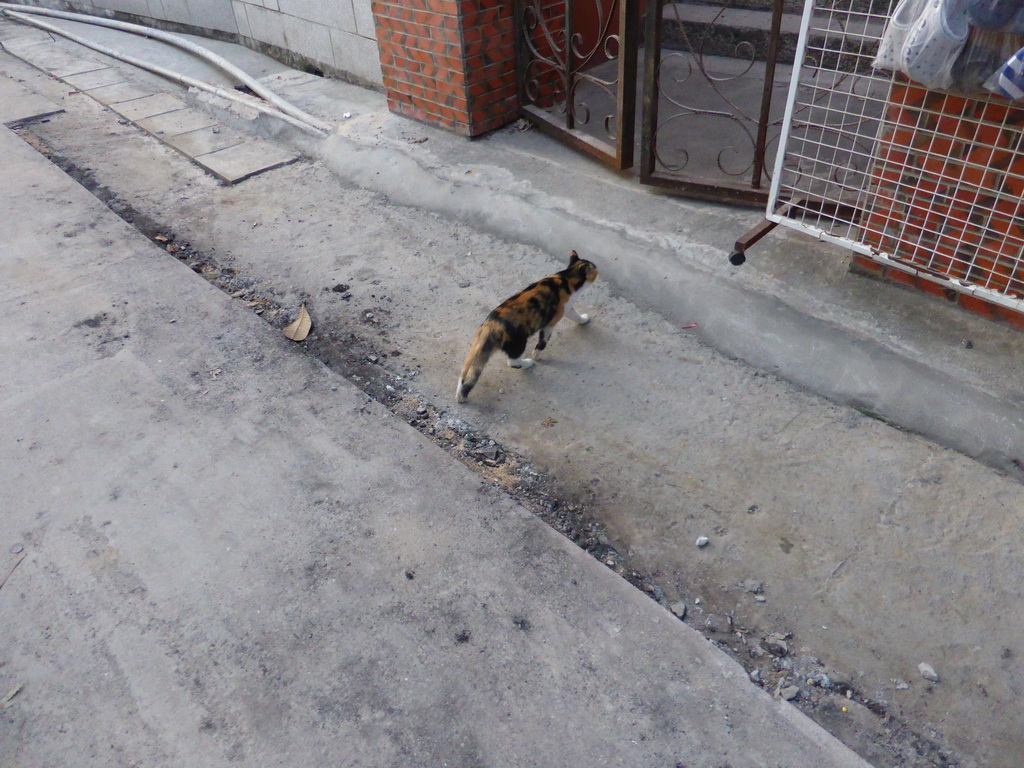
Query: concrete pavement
[[215, 551], [883, 528]]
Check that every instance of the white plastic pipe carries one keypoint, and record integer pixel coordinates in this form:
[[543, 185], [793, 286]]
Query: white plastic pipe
[[18, 11]]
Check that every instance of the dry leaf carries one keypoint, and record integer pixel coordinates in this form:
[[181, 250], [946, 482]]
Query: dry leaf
[[299, 330], [549, 422]]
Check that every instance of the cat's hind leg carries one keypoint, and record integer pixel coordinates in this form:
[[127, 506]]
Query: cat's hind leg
[[514, 348], [542, 339]]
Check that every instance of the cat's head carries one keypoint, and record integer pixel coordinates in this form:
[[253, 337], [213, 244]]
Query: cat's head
[[584, 267]]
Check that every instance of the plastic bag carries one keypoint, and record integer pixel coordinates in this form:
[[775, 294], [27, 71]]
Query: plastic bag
[[924, 40], [1008, 81], [986, 53], [890, 47], [934, 44], [1002, 15]]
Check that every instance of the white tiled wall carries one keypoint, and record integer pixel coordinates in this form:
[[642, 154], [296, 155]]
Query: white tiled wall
[[334, 35]]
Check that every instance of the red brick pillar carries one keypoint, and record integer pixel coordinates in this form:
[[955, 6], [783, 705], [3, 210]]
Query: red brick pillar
[[450, 63]]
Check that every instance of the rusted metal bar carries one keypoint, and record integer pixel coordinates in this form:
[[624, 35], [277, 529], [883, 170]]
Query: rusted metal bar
[[766, 94], [652, 60], [575, 138], [570, 68], [625, 134]]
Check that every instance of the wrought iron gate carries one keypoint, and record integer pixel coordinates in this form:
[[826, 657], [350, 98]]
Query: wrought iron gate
[[576, 67], [709, 123]]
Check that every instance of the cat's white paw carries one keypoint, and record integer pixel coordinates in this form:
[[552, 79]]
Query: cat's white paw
[[527, 362], [522, 362]]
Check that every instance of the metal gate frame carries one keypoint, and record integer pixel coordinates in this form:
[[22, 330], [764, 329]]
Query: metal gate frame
[[566, 61], [551, 65], [753, 193], [785, 204]]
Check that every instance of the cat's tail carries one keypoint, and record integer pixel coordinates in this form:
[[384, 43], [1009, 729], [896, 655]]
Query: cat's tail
[[486, 340]]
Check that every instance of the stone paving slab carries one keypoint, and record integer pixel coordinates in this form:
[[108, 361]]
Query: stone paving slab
[[117, 93], [55, 59], [204, 140], [176, 122], [97, 78], [18, 104], [228, 155], [239, 162], [147, 106]]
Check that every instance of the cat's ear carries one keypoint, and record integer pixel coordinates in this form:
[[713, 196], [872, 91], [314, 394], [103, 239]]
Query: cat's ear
[[573, 258]]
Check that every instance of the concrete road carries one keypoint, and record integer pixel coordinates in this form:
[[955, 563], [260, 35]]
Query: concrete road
[[218, 552], [866, 550]]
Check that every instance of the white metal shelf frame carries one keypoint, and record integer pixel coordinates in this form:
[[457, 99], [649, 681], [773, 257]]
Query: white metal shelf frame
[[918, 186]]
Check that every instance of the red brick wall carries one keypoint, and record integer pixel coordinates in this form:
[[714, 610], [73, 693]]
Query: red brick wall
[[947, 186], [450, 63]]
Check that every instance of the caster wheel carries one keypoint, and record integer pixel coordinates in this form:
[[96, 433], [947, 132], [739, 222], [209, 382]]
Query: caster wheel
[[737, 257]]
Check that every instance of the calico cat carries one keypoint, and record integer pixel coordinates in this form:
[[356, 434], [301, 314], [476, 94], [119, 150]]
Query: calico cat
[[536, 308]]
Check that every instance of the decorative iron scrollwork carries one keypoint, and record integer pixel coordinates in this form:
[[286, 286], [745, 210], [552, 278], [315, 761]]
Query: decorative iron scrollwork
[[581, 77]]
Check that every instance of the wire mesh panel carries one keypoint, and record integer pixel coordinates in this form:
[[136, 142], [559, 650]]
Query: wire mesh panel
[[833, 116], [925, 181]]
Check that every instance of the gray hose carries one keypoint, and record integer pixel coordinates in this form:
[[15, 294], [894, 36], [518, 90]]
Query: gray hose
[[17, 11]]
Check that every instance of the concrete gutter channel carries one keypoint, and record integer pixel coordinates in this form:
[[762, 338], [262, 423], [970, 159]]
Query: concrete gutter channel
[[886, 352]]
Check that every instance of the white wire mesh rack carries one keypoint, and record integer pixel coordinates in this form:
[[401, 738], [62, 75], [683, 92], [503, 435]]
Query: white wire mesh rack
[[927, 182]]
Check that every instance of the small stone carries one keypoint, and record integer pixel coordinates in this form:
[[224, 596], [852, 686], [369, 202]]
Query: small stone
[[790, 692], [679, 609], [901, 685], [702, 541], [755, 675], [751, 585], [968, 344], [17, 549], [928, 672], [776, 645], [760, 598]]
